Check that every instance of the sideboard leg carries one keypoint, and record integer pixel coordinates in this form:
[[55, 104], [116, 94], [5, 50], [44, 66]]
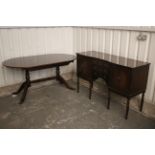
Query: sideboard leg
[[90, 89], [142, 102], [109, 97], [127, 108], [78, 84]]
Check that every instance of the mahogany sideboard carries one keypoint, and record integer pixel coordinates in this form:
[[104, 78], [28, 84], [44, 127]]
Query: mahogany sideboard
[[124, 76]]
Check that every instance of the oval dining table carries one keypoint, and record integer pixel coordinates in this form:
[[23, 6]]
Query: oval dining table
[[39, 62]]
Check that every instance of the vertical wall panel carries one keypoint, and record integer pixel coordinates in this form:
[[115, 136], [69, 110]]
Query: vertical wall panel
[[123, 43], [6, 54], [111, 41], [116, 42], [133, 46], [143, 48], [151, 80], [127, 44], [101, 42], [107, 41], [104, 40], [78, 40], [95, 39], [147, 48], [83, 39], [2, 78], [75, 37], [89, 39]]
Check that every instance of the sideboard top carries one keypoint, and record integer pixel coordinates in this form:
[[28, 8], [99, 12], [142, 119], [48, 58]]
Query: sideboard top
[[127, 62]]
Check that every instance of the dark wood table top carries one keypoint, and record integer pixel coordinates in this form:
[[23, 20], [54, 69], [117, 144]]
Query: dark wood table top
[[32, 62], [127, 62]]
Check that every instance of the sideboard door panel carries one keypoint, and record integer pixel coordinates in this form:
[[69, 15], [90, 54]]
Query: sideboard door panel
[[139, 79], [84, 68], [119, 78]]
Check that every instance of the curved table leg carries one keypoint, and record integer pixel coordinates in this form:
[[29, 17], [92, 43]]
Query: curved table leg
[[78, 84], [25, 86], [142, 102], [24, 93], [61, 79], [20, 89]]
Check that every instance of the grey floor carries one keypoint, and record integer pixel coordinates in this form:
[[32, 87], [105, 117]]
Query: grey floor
[[55, 106]]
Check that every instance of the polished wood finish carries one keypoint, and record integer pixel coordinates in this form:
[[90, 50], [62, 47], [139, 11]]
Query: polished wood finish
[[33, 63], [124, 76], [39, 61]]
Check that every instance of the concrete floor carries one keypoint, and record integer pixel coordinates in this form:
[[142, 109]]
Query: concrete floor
[[55, 106]]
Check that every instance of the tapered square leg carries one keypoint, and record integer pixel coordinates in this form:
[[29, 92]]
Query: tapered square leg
[[142, 102], [109, 96], [61, 79], [90, 89], [127, 108], [78, 84]]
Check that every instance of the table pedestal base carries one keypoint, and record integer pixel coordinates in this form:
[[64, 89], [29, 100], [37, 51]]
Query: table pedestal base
[[25, 85]]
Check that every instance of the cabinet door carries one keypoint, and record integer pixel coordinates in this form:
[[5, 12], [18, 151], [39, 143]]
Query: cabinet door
[[119, 79], [84, 67], [139, 79]]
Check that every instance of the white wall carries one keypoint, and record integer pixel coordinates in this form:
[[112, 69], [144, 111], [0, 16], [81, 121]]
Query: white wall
[[31, 41], [120, 42]]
